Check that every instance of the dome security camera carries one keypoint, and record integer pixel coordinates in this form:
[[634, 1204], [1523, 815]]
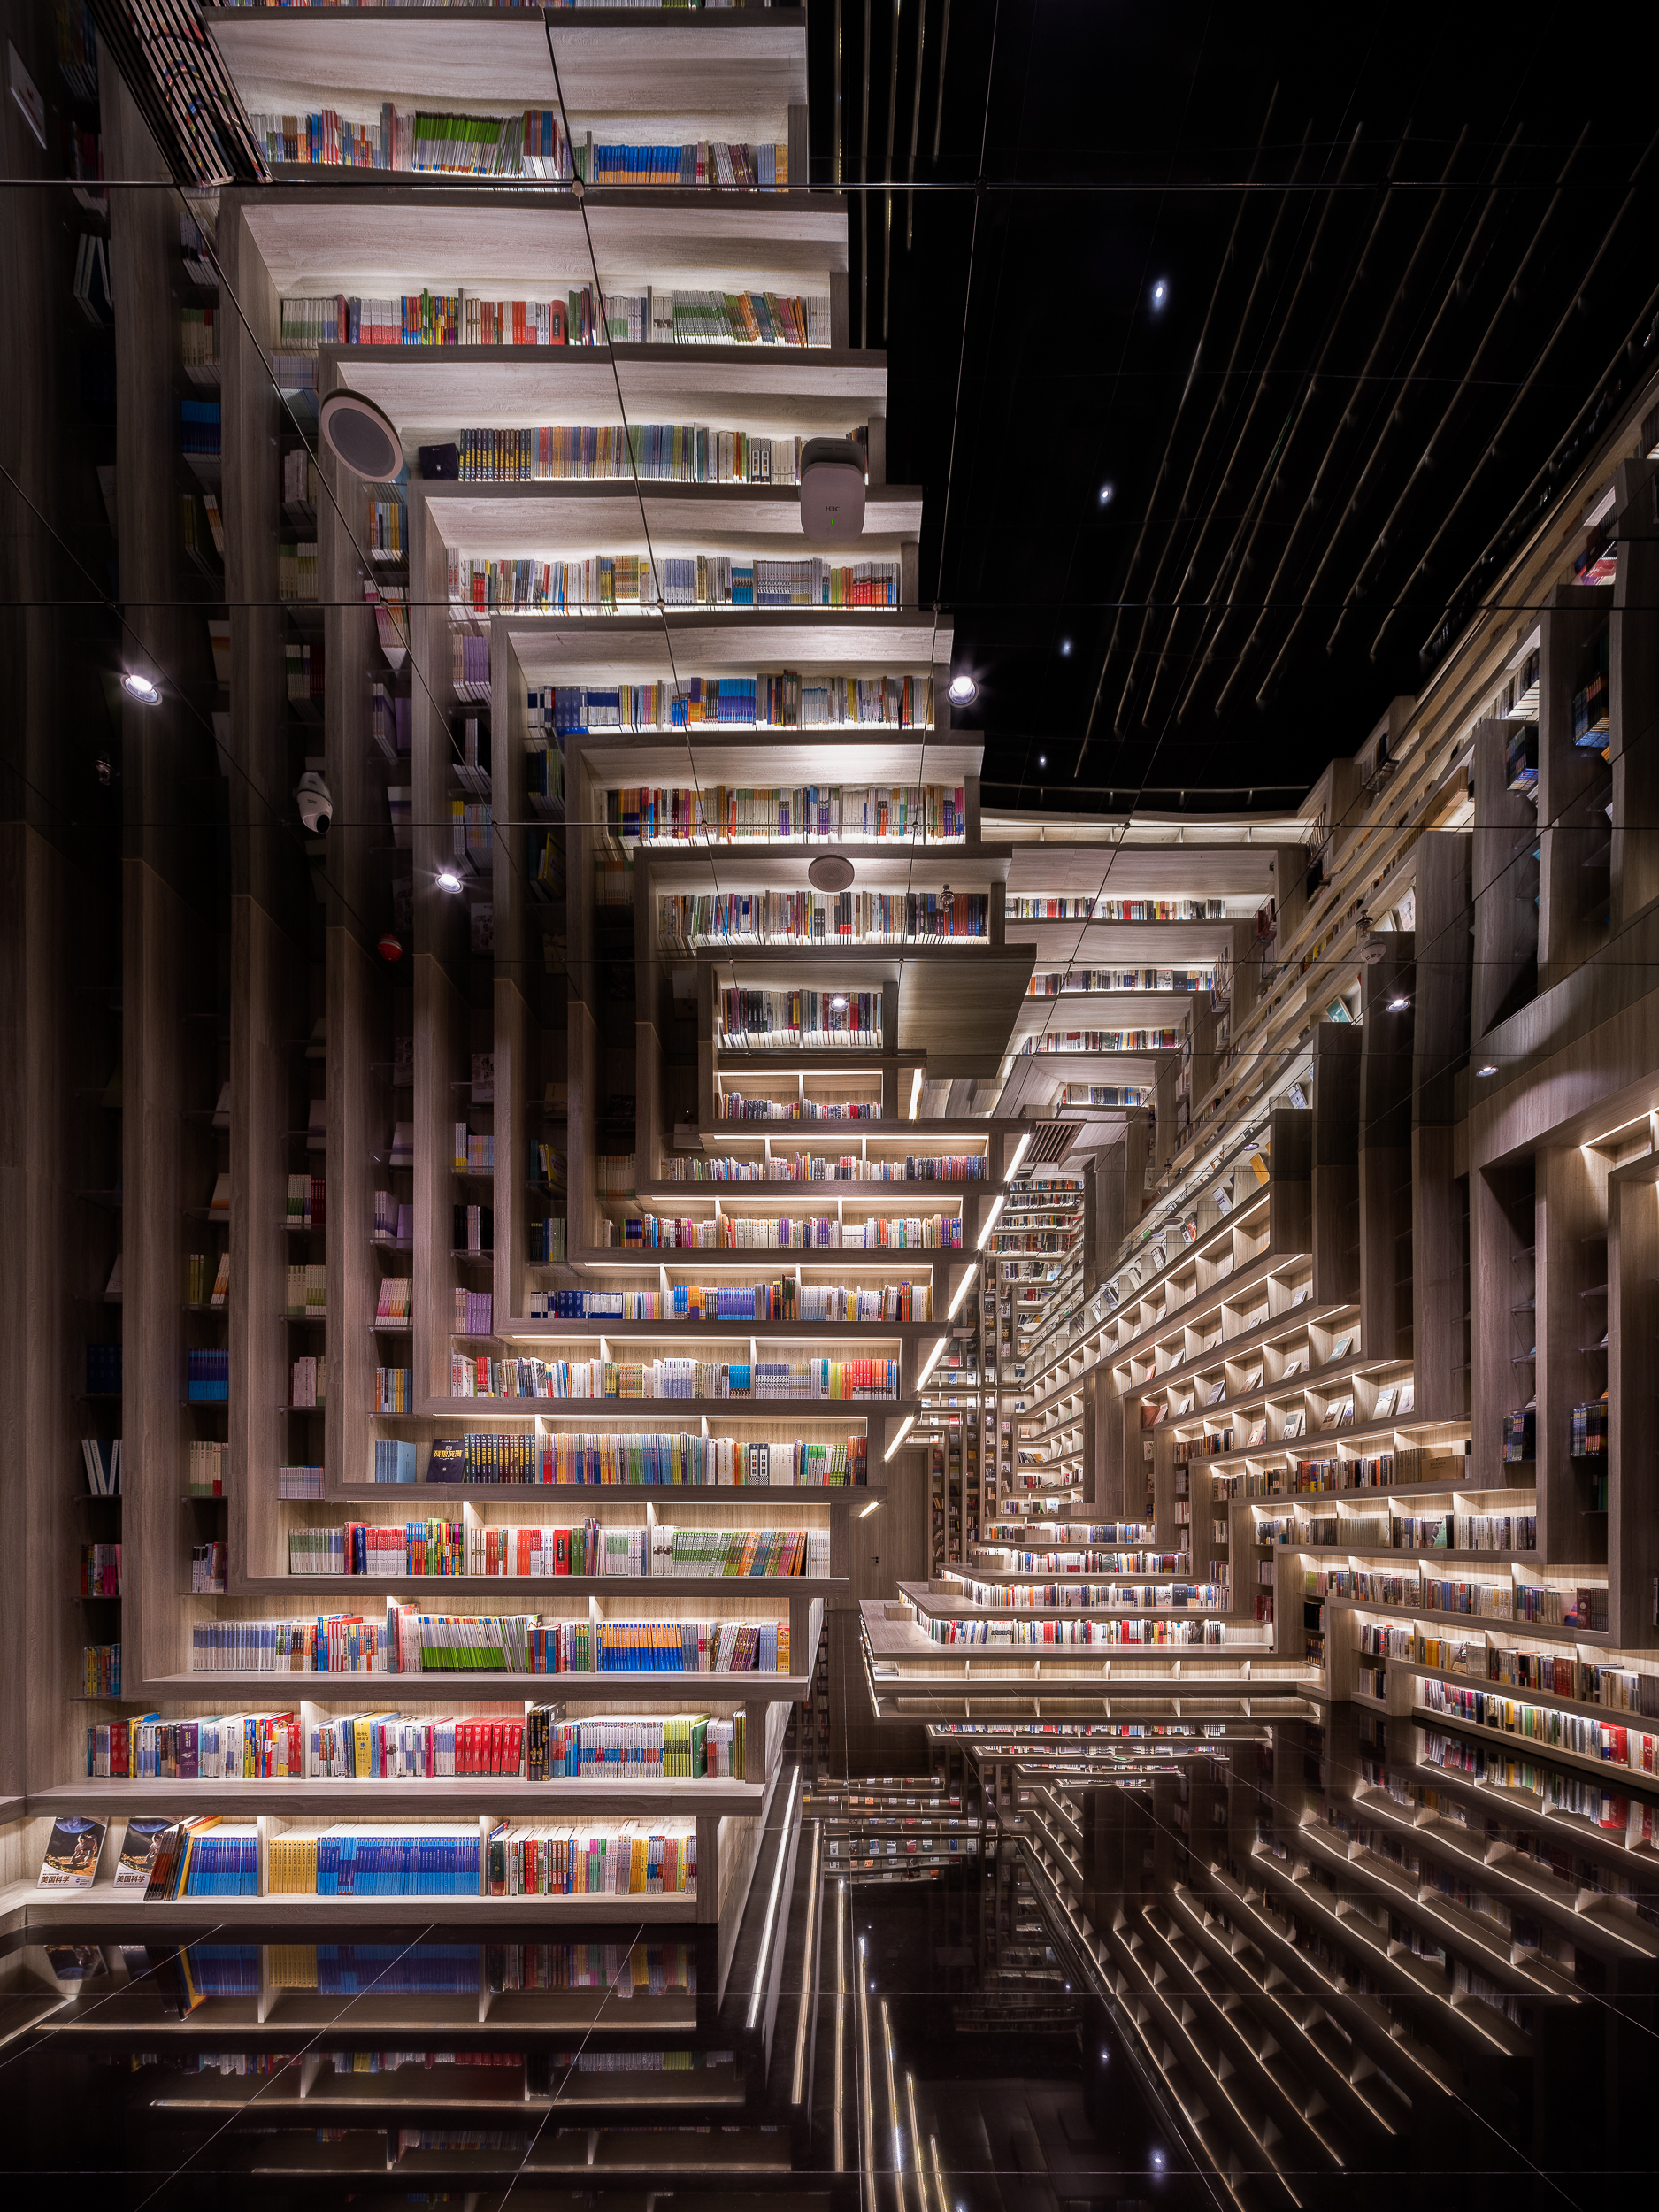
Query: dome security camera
[[316, 802], [832, 490]]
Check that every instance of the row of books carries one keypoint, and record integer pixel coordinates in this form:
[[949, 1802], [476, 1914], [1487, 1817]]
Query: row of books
[[1028, 907], [544, 1241], [1547, 1724], [307, 1201], [583, 317], [1464, 1531], [1085, 1631], [1165, 1038], [1565, 1674], [833, 814], [646, 1859], [787, 1299], [392, 1308], [103, 1371], [297, 572], [394, 1220], [304, 665], [528, 144], [805, 1018], [1099, 1094], [805, 1167], [607, 581], [307, 1289], [440, 1547], [343, 1861], [471, 1310], [100, 1571], [198, 343], [208, 1278], [426, 1643], [692, 919], [474, 1151], [1055, 983], [215, 1747], [734, 1106], [200, 428], [1027, 1597], [308, 1383], [1088, 1561], [633, 1379], [101, 1457], [101, 1670], [659, 452], [394, 1393], [207, 1376], [299, 1482], [204, 1467], [822, 1232], [635, 1457]]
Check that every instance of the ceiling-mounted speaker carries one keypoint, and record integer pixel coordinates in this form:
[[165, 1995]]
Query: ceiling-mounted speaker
[[361, 436], [832, 490], [829, 872]]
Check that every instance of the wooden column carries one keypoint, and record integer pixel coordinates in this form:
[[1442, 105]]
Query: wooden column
[[1574, 826], [1633, 672], [1571, 1216], [1440, 1197], [1505, 884], [1384, 1149], [1336, 1107], [1632, 1310]]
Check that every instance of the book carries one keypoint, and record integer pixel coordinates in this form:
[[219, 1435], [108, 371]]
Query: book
[[139, 1847], [73, 1852], [1407, 1398], [1385, 1403]]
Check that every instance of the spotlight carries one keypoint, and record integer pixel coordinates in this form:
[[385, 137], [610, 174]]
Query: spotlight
[[1066, 648], [1399, 1003], [964, 691], [1042, 760], [1488, 1070], [449, 879], [838, 1004], [1160, 296], [1105, 494], [140, 688]]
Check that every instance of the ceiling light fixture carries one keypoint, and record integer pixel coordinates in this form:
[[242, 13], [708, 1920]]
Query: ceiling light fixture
[[1018, 1154], [962, 1290], [1105, 494], [874, 1505], [838, 1004], [449, 879], [1066, 648], [964, 691], [1160, 296], [905, 1426], [932, 1360], [140, 688], [990, 1223], [1399, 1003], [1488, 1070]]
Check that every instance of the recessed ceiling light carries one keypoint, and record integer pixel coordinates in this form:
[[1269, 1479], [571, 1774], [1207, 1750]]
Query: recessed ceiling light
[[448, 880], [1066, 648], [1105, 494], [1399, 1003], [1042, 760], [838, 1004], [963, 690], [1160, 294], [1488, 1070], [140, 688]]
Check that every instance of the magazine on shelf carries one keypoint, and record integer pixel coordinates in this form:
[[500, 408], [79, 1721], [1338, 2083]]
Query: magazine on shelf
[[73, 1852]]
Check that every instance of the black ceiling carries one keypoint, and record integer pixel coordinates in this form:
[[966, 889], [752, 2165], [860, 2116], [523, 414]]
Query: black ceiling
[[1406, 266]]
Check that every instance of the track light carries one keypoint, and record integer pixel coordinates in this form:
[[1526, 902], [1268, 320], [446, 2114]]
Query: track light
[[964, 691], [449, 879], [140, 688], [1488, 1070]]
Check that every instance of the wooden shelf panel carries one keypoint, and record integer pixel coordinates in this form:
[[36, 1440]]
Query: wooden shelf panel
[[462, 1796], [520, 521], [777, 391], [745, 68]]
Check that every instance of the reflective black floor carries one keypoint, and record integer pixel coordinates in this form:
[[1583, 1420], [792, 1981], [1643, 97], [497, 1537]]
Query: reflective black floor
[[1250, 1965]]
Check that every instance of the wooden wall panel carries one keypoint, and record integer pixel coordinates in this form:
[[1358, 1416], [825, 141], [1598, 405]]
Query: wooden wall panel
[[1572, 1259], [1571, 924], [1632, 1310], [1634, 671], [1440, 1198], [1505, 884], [1384, 1149], [1335, 1178]]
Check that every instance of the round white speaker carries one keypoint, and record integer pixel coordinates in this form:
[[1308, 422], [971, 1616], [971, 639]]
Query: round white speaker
[[829, 872]]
